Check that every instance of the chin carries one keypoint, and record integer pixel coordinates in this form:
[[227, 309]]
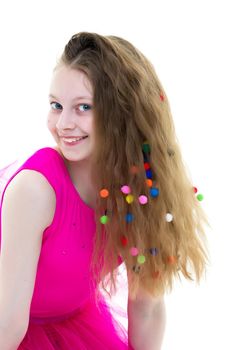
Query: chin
[[76, 157]]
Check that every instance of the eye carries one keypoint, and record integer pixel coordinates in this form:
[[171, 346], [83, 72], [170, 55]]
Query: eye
[[84, 107], [56, 103]]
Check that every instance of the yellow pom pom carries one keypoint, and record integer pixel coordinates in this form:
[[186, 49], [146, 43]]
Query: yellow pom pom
[[129, 198]]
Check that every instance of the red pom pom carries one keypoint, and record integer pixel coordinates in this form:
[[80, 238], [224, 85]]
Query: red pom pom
[[195, 189], [146, 166], [124, 241], [161, 97]]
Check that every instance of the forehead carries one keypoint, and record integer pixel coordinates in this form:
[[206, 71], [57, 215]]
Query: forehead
[[69, 80]]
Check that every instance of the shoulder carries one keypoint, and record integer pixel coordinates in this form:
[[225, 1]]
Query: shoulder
[[29, 190], [30, 180], [41, 168]]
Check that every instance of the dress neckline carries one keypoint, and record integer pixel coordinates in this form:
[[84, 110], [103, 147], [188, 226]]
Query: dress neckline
[[70, 180]]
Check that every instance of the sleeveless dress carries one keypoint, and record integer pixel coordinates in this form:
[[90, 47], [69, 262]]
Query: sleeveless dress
[[63, 313]]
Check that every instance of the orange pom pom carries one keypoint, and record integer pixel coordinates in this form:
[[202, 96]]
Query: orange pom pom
[[104, 193], [171, 259], [149, 182]]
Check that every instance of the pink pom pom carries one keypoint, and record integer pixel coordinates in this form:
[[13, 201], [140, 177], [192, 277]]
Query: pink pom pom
[[142, 199], [125, 189], [134, 251]]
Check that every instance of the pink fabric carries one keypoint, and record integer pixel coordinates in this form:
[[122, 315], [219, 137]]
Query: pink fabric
[[63, 314]]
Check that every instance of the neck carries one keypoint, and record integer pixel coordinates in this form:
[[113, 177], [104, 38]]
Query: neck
[[80, 173]]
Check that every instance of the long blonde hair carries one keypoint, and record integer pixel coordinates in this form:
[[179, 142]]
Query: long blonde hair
[[131, 107]]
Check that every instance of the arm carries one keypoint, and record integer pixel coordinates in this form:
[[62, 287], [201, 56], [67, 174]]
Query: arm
[[10, 340], [146, 322], [27, 209]]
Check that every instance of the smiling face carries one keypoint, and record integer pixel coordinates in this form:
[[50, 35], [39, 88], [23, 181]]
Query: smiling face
[[70, 119]]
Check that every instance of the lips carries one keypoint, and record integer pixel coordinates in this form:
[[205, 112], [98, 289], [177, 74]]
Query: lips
[[72, 141], [71, 137]]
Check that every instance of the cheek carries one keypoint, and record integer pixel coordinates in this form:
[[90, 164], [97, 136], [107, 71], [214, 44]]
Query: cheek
[[91, 127], [51, 123]]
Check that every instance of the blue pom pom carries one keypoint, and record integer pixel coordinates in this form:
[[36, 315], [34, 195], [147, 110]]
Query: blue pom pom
[[129, 217], [154, 192], [149, 174]]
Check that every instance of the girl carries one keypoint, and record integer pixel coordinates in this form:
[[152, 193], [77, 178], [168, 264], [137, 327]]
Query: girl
[[113, 189]]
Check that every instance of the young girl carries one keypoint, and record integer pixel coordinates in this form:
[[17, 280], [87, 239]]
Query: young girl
[[112, 190]]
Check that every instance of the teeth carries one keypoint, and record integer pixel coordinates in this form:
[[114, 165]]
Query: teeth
[[73, 140]]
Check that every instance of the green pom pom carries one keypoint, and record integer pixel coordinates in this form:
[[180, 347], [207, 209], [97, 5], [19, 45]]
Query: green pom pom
[[146, 147], [141, 259], [200, 197], [104, 219]]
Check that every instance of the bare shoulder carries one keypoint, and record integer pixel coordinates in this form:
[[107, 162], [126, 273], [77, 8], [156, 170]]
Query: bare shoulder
[[32, 178], [30, 190]]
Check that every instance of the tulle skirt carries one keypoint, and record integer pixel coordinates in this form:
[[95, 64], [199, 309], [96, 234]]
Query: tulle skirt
[[89, 328]]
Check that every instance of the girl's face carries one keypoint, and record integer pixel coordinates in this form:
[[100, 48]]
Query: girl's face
[[70, 119]]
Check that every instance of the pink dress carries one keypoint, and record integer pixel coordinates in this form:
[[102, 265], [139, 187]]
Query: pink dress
[[63, 314]]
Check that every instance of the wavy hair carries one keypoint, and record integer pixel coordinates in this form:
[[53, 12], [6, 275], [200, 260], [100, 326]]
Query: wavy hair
[[130, 108]]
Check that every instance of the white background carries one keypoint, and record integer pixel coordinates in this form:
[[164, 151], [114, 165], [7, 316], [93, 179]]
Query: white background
[[190, 45]]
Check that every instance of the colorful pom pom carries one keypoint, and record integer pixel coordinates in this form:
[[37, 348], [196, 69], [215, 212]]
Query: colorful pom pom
[[142, 199], [200, 197], [154, 251], [149, 182], [104, 219], [168, 217], [136, 268], [145, 157], [141, 259], [129, 217], [104, 193], [149, 174], [125, 189], [134, 251], [171, 259], [154, 192], [146, 147], [146, 166], [195, 189], [129, 198], [124, 240], [161, 97]]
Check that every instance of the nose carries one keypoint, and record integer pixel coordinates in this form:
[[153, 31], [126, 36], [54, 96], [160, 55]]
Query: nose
[[65, 121]]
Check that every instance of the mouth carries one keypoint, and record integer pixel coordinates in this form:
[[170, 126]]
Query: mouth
[[73, 141]]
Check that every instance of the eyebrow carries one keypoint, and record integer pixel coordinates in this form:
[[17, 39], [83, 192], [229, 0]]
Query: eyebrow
[[75, 99]]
